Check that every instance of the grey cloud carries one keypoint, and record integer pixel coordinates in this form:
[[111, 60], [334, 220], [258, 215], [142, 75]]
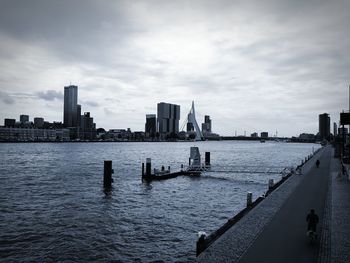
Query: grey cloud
[[91, 103], [109, 112], [50, 95], [6, 98]]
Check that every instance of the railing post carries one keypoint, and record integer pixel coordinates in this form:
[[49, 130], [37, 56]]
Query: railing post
[[249, 199]]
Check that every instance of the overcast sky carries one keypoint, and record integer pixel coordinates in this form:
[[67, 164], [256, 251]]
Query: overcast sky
[[251, 65]]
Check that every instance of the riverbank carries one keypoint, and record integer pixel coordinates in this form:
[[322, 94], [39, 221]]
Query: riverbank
[[275, 230]]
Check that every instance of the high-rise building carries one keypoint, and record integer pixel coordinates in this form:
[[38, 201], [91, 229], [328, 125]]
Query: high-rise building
[[9, 122], [70, 111], [335, 129], [88, 127], [324, 123], [190, 127], [151, 124], [38, 122], [79, 115], [23, 118], [168, 117], [206, 126]]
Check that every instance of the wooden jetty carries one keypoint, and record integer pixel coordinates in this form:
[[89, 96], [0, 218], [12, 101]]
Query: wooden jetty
[[165, 176], [195, 168]]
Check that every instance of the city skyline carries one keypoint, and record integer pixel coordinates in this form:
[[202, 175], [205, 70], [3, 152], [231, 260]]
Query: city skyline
[[251, 66]]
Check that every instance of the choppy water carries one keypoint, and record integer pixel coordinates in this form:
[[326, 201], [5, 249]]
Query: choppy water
[[53, 207]]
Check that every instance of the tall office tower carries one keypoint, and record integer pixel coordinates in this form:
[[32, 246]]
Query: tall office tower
[[23, 118], [79, 115], [324, 123], [151, 124], [168, 117], [335, 129], [70, 112], [88, 126], [9, 122], [206, 126]]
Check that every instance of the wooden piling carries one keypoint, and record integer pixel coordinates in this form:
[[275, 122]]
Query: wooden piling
[[148, 166], [207, 158], [107, 175]]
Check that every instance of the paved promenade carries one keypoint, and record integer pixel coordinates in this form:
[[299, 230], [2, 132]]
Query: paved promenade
[[275, 231]]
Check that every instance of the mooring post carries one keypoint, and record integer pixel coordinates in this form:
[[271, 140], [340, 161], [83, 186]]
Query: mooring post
[[201, 244], [107, 175], [143, 169], [249, 198], [207, 159], [148, 166], [271, 184]]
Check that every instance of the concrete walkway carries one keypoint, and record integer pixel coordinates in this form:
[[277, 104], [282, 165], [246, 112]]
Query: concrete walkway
[[275, 231], [284, 239]]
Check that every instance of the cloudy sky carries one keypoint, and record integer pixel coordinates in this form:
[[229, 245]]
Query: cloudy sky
[[251, 65]]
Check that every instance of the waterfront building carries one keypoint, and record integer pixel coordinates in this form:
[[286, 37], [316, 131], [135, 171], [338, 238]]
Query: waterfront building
[[324, 126], [32, 134], [151, 125], [88, 127], [254, 135], [335, 129], [39, 122], [206, 126], [168, 116], [264, 135], [10, 122], [24, 119], [189, 127], [70, 108], [78, 115], [342, 131]]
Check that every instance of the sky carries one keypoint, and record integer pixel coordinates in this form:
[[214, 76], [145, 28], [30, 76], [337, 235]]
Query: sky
[[253, 66]]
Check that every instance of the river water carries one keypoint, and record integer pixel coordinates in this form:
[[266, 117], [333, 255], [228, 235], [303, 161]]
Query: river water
[[53, 206]]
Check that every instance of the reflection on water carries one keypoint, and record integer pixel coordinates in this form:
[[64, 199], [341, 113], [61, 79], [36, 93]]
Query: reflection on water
[[53, 206]]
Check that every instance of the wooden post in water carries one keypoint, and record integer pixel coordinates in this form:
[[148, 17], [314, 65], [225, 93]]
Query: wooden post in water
[[249, 198], [107, 175], [148, 166], [143, 169], [207, 159]]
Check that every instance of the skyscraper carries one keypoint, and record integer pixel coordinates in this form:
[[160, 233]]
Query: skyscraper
[[206, 126], [335, 129], [70, 112], [23, 118], [168, 117], [151, 124], [324, 123]]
